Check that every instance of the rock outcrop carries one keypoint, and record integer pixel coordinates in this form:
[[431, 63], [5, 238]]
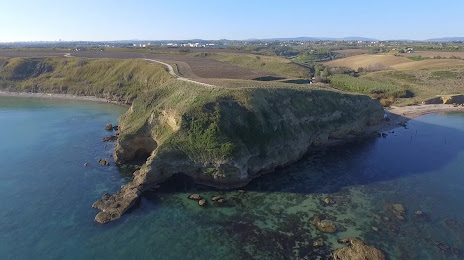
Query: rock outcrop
[[224, 138], [448, 99], [113, 206], [104, 162], [357, 250], [110, 138]]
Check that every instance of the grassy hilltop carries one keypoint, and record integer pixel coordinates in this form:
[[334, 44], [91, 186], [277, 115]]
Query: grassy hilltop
[[118, 80]]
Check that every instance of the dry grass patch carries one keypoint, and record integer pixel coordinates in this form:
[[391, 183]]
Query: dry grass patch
[[365, 60], [429, 64]]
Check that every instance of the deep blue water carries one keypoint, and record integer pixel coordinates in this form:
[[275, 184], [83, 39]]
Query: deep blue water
[[46, 195]]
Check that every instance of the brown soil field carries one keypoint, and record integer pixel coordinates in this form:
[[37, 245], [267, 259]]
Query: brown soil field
[[187, 66], [431, 54]]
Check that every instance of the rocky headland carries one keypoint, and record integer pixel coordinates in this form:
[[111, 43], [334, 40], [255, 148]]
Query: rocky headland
[[221, 137], [225, 138]]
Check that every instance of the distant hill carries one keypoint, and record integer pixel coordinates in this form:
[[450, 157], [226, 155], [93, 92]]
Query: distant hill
[[447, 39], [352, 38]]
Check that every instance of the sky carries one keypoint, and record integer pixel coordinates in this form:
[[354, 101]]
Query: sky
[[104, 20]]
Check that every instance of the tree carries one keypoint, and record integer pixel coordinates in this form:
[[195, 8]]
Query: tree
[[325, 73]]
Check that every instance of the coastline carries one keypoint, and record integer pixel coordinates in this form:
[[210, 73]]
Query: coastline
[[57, 96], [411, 112], [399, 116]]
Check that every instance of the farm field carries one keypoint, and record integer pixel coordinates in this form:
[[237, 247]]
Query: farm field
[[395, 62], [431, 54], [277, 65], [365, 60], [351, 52]]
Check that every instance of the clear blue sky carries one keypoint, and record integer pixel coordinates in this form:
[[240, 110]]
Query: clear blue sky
[[33, 20]]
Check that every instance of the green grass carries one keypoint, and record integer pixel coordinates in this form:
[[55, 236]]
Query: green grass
[[368, 86], [121, 79], [404, 87]]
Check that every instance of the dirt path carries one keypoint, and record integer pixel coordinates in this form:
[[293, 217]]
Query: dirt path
[[171, 71]]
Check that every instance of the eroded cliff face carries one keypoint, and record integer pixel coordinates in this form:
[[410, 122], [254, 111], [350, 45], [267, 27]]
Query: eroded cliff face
[[229, 138]]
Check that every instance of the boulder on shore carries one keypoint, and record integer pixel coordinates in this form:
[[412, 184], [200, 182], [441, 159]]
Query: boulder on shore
[[357, 250]]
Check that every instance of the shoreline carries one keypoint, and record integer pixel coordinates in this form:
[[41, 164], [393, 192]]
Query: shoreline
[[58, 96], [399, 116]]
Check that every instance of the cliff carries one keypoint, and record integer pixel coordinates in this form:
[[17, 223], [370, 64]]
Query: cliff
[[226, 137]]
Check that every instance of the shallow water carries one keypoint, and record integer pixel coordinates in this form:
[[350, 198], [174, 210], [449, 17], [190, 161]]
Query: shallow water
[[45, 210]]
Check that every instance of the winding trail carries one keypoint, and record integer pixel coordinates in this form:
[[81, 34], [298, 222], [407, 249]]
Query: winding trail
[[169, 68], [173, 73]]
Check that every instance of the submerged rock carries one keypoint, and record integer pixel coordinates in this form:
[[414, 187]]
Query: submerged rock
[[318, 243], [323, 223], [329, 201], [397, 210], [109, 127], [357, 250], [195, 197], [419, 213], [216, 198], [202, 202], [326, 226], [110, 138]]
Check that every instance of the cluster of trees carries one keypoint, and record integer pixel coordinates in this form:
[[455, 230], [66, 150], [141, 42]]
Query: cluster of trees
[[378, 50], [323, 73]]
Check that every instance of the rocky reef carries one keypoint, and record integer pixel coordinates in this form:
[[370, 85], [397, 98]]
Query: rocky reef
[[224, 138]]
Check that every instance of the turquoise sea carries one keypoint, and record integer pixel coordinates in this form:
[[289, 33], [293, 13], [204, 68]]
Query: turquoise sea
[[46, 195]]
